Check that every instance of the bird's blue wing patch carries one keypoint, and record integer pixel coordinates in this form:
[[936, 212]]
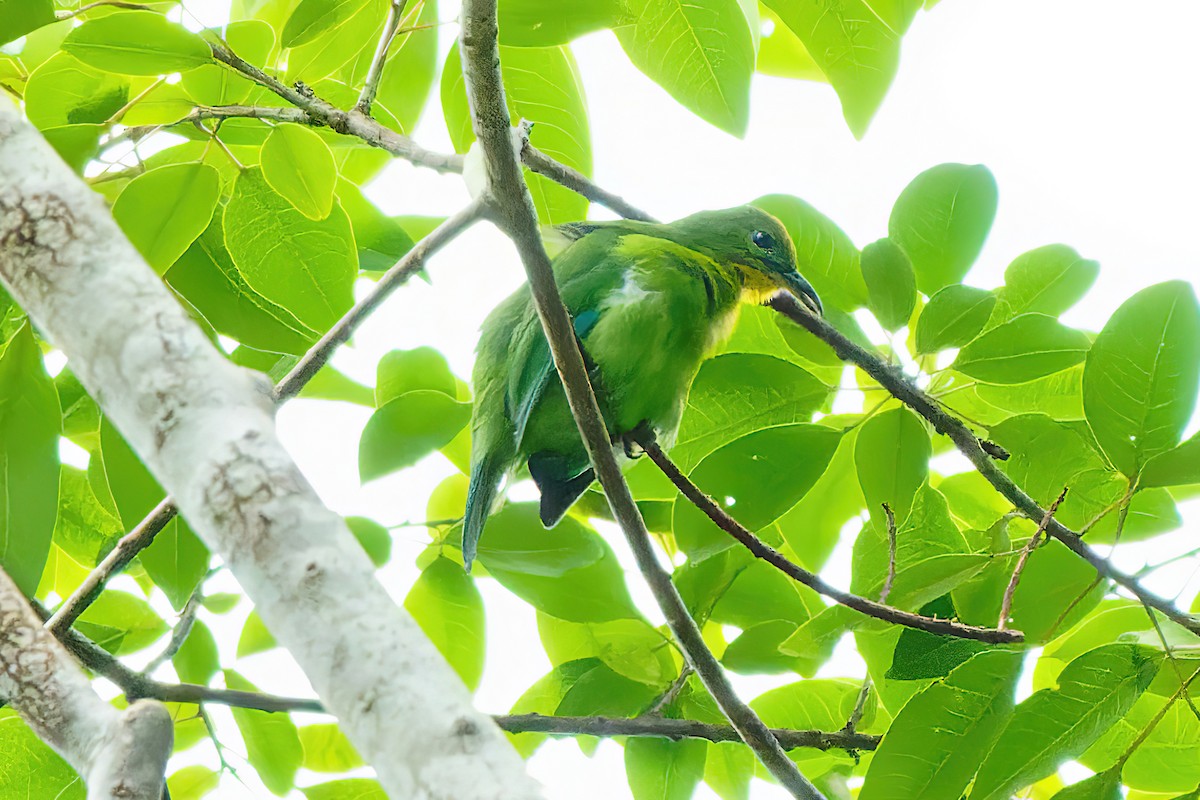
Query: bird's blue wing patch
[[586, 321]]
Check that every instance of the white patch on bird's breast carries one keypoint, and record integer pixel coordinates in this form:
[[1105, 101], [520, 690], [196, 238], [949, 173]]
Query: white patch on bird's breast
[[628, 293], [721, 330]]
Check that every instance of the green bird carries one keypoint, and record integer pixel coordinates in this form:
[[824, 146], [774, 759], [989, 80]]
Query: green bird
[[649, 303]]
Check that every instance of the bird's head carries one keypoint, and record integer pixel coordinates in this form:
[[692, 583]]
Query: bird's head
[[758, 246]]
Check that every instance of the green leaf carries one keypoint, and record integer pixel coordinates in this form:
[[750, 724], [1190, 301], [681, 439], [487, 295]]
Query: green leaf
[[19, 17], [728, 770], [27, 763], [758, 478], [1055, 725], [630, 647], [892, 456], [1102, 786], [192, 783], [85, 529], [940, 737], [137, 43], [739, 393], [661, 769], [825, 255], [818, 704], [941, 220], [197, 660], [955, 315], [891, 283], [75, 144], [1045, 456], [447, 606], [305, 266], [932, 555], [544, 23], [299, 166], [121, 623], [64, 91], [346, 789], [421, 368], [542, 85], [568, 572], [374, 538], [381, 240], [1174, 467], [29, 467], [255, 637], [1025, 348], [272, 742], [856, 46], [207, 278], [177, 560], [920, 655], [341, 44], [781, 53], [1139, 383], [312, 18], [1057, 589], [701, 52], [326, 749], [405, 430], [163, 211], [1048, 280]]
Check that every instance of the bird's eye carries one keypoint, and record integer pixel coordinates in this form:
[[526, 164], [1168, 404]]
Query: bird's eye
[[763, 240]]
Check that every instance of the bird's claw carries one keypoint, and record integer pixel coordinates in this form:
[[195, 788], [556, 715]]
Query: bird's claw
[[632, 440]]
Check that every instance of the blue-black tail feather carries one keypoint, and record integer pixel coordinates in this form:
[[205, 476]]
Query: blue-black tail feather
[[559, 493]]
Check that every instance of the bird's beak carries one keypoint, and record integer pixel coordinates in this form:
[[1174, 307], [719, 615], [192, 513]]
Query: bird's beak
[[804, 292]]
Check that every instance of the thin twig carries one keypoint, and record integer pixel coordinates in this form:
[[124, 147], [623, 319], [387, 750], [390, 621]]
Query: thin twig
[[1170, 651], [1011, 589], [371, 84], [61, 15], [672, 691], [187, 619], [117, 559], [891, 569], [1182, 691], [542, 164], [976, 451], [762, 550], [512, 209]]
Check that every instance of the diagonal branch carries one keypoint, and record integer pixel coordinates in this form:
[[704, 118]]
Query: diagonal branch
[[512, 209], [979, 453], [760, 549], [288, 387]]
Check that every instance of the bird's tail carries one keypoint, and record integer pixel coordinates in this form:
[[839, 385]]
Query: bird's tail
[[481, 496]]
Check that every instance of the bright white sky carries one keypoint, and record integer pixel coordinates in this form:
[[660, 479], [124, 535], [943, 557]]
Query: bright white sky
[[1085, 110]]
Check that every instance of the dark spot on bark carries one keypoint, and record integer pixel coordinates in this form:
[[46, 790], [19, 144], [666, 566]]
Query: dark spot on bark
[[464, 728]]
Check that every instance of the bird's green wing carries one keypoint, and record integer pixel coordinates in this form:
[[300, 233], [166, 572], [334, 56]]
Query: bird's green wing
[[586, 272]]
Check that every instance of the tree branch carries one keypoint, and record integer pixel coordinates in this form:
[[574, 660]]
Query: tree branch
[[203, 427], [512, 209], [116, 561], [760, 549], [979, 452], [119, 754], [371, 84]]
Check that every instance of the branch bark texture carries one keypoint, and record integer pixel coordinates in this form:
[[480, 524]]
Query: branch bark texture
[[119, 754], [204, 428], [512, 209]]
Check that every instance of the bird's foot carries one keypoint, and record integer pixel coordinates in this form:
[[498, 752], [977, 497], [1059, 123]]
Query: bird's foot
[[632, 441]]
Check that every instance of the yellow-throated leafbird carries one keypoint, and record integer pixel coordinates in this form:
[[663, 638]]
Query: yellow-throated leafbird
[[649, 303]]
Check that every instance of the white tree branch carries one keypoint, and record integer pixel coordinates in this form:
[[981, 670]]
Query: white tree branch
[[204, 428], [119, 754]]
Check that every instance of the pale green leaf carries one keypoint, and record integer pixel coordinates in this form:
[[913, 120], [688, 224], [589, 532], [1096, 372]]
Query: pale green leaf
[[164, 210], [891, 284], [299, 166], [137, 43], [449, 609], [954, 316], [272, 743], [1141, 375], [405, 430], [1023, 349]]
